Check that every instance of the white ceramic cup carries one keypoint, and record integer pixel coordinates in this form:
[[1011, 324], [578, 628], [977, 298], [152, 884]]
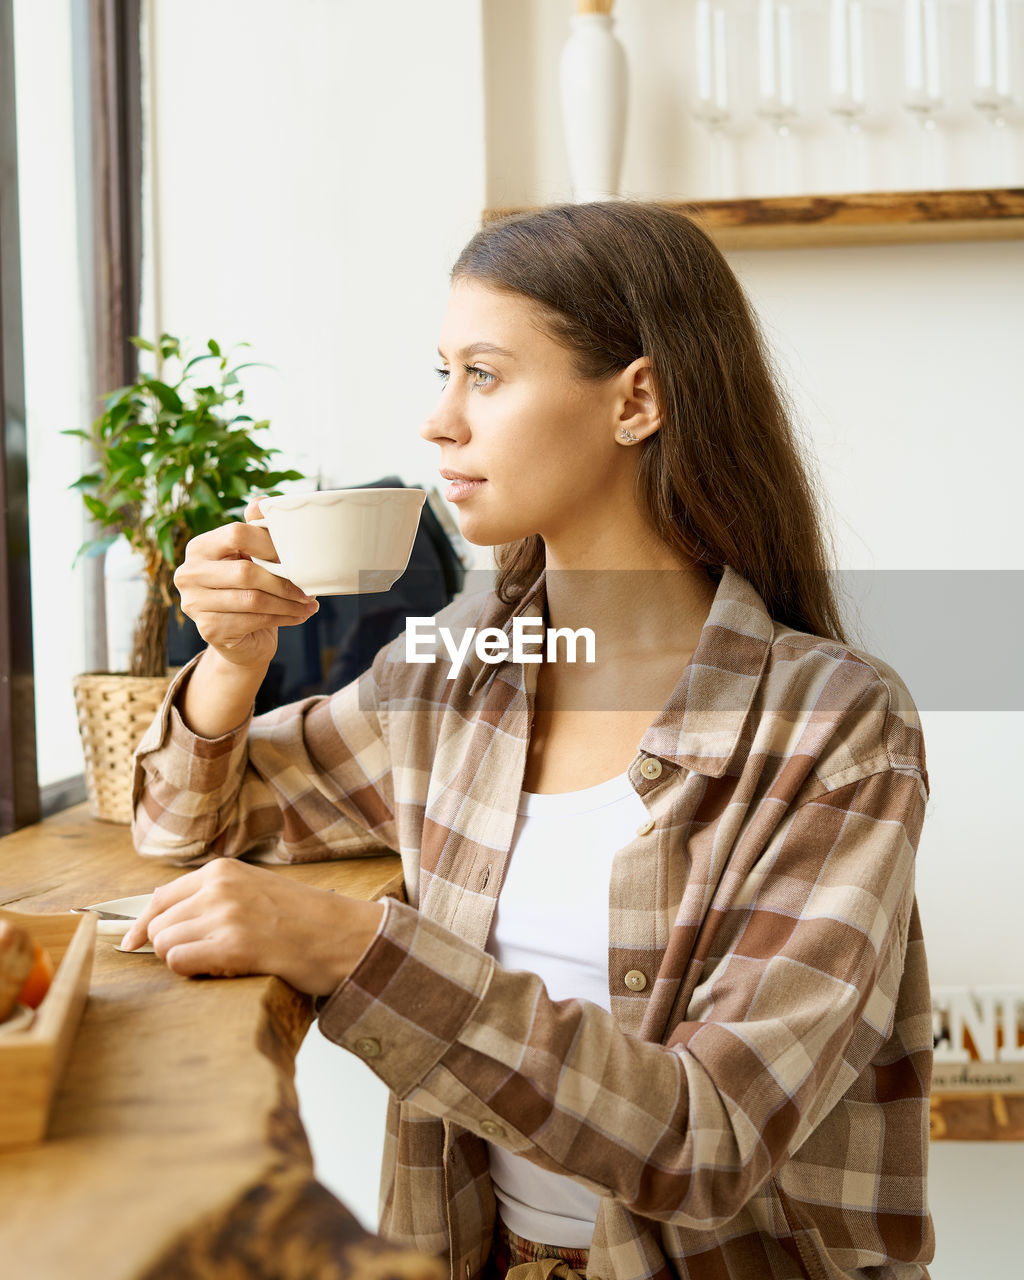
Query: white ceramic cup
[[342, 542]]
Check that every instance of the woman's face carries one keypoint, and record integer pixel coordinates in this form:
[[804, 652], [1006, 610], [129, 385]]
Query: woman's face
[[534, 441]]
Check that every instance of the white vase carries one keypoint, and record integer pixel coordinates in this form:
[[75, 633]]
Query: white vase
[[593, 84], [124, 572]]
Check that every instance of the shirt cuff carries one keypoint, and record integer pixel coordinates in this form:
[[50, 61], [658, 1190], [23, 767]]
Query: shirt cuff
[[408, 999], [180, 780], [174, 751]]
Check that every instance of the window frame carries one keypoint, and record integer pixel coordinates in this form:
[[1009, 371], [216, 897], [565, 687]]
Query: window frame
[[115, 178], [19, 783]]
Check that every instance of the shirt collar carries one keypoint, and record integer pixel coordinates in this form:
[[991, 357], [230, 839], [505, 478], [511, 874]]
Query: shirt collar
[[530, 605], [699, 728]]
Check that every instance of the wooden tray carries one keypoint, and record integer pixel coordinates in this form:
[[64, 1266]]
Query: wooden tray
[[32, 1061]]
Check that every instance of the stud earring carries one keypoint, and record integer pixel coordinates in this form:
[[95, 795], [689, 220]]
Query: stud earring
[[627, 437]]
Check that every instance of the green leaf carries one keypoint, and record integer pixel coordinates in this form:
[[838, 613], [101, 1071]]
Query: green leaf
[[136, 434], [94, 547], [208, 355], [279, 477], [115, 397], [121, 498], [235, 458], [165, 541], [239, 438], [204, 496], [98, 510], [128, 461], [142, 344], [199, 520], [207, 435], [74, 431], [86, 482], [231, 377], [184, 433], [167, 396], [166, 483], [118, 416], [214, 347], [169, 520], [124, 482], [207, 397], [164, 454], [169, 346]]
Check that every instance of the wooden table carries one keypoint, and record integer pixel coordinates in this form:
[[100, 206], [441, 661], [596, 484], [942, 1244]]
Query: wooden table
[[175, 1148]]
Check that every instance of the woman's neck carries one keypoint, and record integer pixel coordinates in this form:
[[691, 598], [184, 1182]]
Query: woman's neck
[[635, 593]]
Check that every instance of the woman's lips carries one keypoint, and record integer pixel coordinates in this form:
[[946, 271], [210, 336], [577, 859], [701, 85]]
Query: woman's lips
[[461, 486], [460, 489]]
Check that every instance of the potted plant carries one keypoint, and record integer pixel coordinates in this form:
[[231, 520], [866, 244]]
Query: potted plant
[[174, 457]]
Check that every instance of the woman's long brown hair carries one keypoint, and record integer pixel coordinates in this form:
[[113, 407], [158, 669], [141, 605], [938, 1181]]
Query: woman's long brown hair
[[723, 481]]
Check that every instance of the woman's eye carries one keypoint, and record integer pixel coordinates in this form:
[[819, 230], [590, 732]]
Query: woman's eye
[[478, 377]]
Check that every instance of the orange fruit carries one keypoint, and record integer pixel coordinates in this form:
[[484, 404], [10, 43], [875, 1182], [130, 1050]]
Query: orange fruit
[[39, 978]]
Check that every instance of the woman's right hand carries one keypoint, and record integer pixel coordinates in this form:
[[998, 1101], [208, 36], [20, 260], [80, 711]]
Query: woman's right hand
[[236, 605]]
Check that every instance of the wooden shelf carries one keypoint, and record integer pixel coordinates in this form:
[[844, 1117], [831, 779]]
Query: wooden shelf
[[977, 1117], [978, 1101], [896, 217]]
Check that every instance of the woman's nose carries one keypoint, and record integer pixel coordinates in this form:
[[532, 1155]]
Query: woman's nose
[[445, 424]]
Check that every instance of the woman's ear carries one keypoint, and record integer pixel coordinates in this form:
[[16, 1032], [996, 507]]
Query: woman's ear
[[638, 414]]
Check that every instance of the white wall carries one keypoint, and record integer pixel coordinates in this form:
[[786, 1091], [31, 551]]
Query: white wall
[[347, 148], [316, 171]]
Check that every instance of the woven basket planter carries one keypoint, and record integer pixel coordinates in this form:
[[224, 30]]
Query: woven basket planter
[[114, 712]]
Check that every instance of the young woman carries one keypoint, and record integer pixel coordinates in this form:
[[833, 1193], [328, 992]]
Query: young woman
[[657, 1003]]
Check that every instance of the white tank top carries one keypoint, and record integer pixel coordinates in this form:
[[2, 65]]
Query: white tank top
[[552, 919]]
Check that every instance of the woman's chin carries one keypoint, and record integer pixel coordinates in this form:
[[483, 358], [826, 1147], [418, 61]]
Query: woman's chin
[[482, 532]]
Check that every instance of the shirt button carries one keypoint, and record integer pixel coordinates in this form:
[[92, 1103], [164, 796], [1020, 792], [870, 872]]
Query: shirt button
[[491, 1129], [367, 1047], [645, 827], [635, 980], [651, 768]]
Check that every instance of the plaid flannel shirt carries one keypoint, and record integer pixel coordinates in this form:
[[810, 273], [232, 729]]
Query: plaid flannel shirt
[[756, 1101]]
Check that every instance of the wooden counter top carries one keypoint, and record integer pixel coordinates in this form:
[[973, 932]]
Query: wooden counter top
[[175, 1147]]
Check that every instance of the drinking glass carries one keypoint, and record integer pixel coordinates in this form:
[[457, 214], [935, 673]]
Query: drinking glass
[[777, 62], [848, 100], [995, 86], [924, 95], [713, 46]]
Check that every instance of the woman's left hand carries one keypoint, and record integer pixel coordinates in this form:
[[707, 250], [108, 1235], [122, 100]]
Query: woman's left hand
[[230, 918]]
